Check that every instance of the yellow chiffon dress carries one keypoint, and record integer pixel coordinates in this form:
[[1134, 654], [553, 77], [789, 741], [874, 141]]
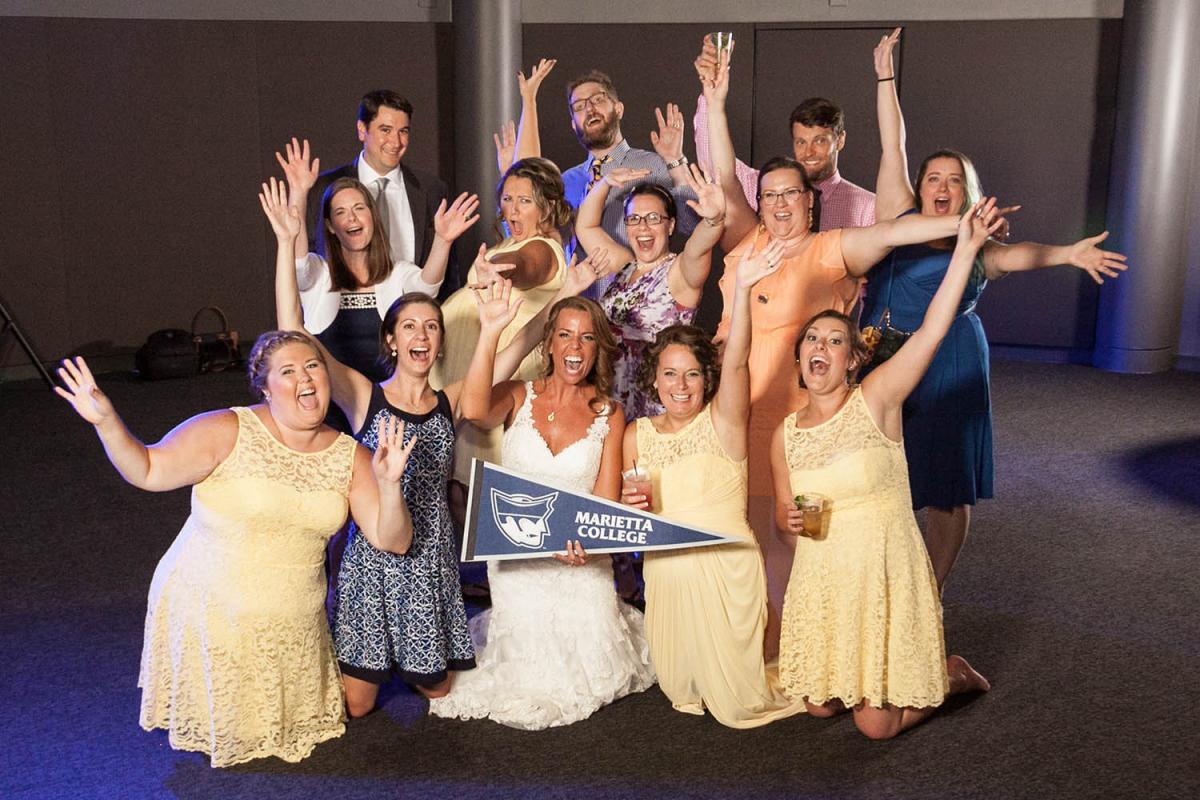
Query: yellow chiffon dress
[[462, 332], [862, 619], [706, 607], [238, 661]]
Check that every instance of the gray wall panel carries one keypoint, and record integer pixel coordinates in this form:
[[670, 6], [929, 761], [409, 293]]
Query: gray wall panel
[[161, 131], [1031, 102]]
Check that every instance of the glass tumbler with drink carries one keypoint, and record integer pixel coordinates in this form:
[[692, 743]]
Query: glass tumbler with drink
[[638, 481], [813, 506], [723, 41]]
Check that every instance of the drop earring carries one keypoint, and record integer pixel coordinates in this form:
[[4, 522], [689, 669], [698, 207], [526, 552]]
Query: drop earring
[[395, 352]]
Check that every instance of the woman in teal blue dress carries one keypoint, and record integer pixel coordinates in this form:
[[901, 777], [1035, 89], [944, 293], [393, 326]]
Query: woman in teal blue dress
[[948, 418]]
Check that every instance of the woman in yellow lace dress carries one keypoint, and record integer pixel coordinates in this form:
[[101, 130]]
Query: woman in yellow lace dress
[[237, 660], [862, 619], [706, 608]]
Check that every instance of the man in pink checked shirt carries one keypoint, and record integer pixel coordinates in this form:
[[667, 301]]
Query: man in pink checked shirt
[[818, 135]]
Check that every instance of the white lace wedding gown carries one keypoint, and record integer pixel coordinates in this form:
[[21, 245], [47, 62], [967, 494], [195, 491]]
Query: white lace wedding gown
[[557, 643]]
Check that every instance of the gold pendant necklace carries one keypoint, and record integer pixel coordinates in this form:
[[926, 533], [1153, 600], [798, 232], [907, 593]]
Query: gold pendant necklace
[[550, 416]]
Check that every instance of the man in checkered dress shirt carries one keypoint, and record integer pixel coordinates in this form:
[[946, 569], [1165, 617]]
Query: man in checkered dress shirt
[[818, 135]]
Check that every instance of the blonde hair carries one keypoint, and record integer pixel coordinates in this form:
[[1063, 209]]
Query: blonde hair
[[258, 365]]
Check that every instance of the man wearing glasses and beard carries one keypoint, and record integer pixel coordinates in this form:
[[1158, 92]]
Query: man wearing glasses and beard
[[596, 112]]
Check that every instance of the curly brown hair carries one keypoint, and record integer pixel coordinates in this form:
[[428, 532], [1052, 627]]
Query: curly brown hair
[[697, 342], [258, 365], [603, 372], [858, 348], [548, 192]]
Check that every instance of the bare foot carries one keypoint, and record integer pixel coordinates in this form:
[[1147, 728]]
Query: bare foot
[[830, 708], [437, 690], [964, 678]]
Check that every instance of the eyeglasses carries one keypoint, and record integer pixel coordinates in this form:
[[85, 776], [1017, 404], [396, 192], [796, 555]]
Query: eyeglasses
[[598, 100], [786, 196], [653, 218]]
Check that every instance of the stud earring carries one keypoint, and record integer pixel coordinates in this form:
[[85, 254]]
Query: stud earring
[[395, 352]]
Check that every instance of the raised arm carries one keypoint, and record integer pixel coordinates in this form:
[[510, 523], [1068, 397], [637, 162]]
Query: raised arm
[[448, 224], [576, 280], [893, 192], [588, 227], [376, 499], [533, 263], [301, 172], [1001, 259], [886, 388], [706, 70], [668, 143], [731, 406], [350, 390], [479, 401], [686, 280], [506, 145], [529, 141], [740, 218], [863, 248], [185, 456]]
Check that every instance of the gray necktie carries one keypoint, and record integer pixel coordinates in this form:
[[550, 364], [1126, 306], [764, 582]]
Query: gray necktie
[[381, 204]]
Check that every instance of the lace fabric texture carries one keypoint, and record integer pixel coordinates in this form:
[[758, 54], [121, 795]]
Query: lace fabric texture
[[861, 619], [706, 607], [557, 644], [237, 660]]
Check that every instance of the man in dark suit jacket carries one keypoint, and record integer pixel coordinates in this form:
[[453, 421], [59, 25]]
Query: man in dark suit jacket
[[412, 196]]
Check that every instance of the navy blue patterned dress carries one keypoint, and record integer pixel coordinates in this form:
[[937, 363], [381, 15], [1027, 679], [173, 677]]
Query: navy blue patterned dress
[[405, 612]]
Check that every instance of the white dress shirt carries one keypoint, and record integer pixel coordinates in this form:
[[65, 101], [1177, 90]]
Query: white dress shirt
[[400, 220]]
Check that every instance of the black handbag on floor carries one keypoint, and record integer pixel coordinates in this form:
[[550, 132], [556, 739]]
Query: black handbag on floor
[[168, 353]]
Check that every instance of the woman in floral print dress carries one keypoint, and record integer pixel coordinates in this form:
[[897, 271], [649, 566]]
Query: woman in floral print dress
[[656, 288]]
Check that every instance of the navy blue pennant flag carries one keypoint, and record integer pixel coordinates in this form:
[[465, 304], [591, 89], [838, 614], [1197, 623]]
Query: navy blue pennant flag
[[509, 516]]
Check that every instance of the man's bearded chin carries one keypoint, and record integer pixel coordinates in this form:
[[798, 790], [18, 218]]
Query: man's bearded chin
[[599, 138]]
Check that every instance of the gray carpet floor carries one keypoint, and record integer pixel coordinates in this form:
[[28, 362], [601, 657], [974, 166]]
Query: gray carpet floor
[[1076, 595]]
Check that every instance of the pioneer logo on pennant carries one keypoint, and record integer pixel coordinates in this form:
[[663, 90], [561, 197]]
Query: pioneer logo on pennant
[[521, 518]]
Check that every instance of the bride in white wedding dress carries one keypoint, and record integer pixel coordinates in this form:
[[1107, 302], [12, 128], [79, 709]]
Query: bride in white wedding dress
[[557, 643]]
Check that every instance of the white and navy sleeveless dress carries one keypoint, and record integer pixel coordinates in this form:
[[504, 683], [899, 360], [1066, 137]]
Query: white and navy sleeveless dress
[[404, 613]]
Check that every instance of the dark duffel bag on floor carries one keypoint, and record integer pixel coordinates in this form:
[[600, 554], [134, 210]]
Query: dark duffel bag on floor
[[168, 353]]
